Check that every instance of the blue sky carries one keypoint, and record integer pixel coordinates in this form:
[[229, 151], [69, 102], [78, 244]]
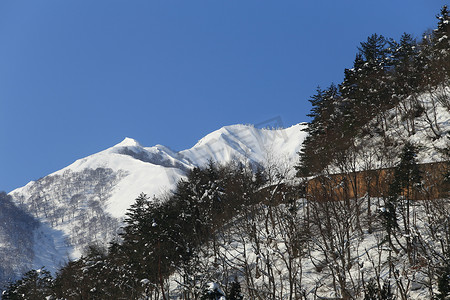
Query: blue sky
[[78, 76]]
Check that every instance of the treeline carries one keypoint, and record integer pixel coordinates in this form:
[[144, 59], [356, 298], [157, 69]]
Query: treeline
[[386, 74]]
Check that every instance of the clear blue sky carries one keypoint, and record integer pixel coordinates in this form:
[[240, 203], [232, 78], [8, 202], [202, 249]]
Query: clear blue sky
[[77, 76]]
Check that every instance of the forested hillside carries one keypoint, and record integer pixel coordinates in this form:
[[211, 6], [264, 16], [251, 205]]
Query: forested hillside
[[24, 242], [395, 90], [366, 217]]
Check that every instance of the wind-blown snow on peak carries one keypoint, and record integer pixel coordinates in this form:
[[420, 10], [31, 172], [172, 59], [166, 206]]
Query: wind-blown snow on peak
[[246, 142], [156, 169], [128, 142]]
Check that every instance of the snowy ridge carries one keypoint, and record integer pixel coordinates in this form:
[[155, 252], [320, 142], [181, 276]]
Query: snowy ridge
[[156, 169], [91, 196]]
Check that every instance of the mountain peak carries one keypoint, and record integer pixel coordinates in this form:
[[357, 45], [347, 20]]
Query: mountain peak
[[128, 142]]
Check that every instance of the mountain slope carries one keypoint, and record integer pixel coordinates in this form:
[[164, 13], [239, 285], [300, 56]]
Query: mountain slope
[[25, 242], [88, 199]]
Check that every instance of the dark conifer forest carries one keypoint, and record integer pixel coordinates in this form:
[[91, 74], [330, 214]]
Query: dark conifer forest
[[363, 219]]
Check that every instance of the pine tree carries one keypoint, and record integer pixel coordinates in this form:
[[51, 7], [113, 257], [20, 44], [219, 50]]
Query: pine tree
[[138, 216], [148, 244], [443, 283], [235, 291], [407, 179], [34, 285], [442, 32], [325, 129], [435, 52], [407, 174], [389, 215], [374, 87], [442, 46], [317, 113], [349, 87], [404, 57], [374, 51], [372, 292]]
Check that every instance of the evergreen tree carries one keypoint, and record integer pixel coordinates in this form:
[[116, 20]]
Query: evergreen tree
[[374, 51], [435, 52], [407, 179], [407, 174], [443, 280], [442, 46], [443, 283], [321, 111], [137, 220], [235, 291], [366, 88], [349, 87], [442, 32], [139, 236], [372, 292], [389, 215], [373, 81], [404, 57], [34, 285], [325, 129]]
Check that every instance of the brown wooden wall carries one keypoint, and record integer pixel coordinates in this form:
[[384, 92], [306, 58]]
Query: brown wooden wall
[[375, 183]]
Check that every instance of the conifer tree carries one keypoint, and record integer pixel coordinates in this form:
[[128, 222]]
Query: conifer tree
[[138, 236], [407, 174], [443, 283], [389, 215], [441, 47], [327, 113], [435, 52], [404, 58], [34, 285], [374, 89], [374, 51], [372, 292], [138, 217], [442, 32], [235, 291]]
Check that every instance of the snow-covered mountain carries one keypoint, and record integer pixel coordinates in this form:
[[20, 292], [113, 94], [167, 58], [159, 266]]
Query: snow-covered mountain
[[86, 202], [153, 170]]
